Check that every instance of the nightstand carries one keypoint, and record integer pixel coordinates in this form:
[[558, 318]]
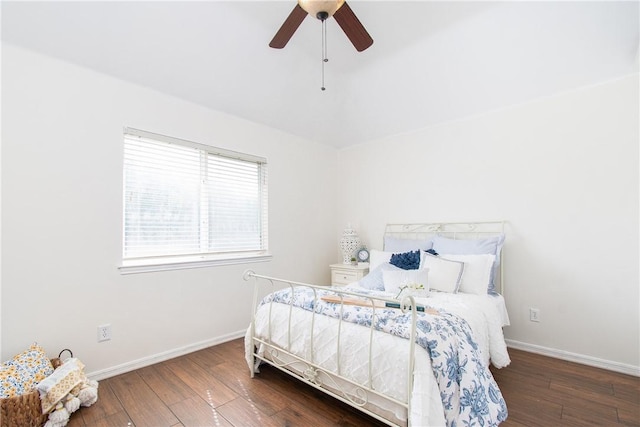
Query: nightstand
[[343, 274]]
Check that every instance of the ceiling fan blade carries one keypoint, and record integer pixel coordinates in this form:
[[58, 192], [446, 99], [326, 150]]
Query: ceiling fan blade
[[289, 27], [353, 28]]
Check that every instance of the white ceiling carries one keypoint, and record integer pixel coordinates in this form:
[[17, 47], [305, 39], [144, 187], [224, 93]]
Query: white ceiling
[[430, 62]]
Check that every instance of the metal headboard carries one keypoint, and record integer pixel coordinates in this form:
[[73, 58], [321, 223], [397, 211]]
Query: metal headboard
[[452, 230]]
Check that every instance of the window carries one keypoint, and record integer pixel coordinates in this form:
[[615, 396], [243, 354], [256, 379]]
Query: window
[[190, 205]]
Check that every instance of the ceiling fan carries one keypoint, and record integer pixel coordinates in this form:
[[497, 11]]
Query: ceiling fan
[[324, 9]]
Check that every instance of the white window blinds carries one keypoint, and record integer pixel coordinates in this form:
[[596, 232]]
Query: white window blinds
[[183, 199]]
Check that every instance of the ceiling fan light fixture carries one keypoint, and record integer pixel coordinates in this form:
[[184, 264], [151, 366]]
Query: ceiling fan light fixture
[[316, 8]]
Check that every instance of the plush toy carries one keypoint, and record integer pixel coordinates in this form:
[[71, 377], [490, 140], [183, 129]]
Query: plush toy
[[65, 391]]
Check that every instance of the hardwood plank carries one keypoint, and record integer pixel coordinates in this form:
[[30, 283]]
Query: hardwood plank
[[207, 358], [627, 391], [581, 384], [586, 414], [75, 420], [629, 411], [256, 391], [118, 419], [140, 402], [533, 411], [576, 370], [577, 402], [205, 385], [303, 395], [299, 392], [585, 392], [107, 404], [510, 422], [161, 379], [229, 350], [240, 412], [354, 418], [296, 416], [196, 412], [629, 417], [577, 422], [520, 382]]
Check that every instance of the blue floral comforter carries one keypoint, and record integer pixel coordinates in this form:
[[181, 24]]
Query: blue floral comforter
[[469, 393]]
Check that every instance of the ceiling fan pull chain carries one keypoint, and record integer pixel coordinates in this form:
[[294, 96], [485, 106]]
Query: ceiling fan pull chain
[[324, 49]]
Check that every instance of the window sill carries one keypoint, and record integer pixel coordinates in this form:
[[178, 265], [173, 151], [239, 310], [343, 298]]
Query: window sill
[[182, 263]]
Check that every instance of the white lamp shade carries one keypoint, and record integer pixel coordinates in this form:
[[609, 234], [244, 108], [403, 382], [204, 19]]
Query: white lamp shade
[[313, 7]]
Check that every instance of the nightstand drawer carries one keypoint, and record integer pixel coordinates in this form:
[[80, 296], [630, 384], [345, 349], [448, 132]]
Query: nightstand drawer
[[343, 274], [341, 277]]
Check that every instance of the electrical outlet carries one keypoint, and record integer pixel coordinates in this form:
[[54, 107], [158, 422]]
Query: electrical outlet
[[104, 333], [534, 314]]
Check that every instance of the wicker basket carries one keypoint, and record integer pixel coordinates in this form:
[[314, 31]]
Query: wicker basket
[[24, 410]]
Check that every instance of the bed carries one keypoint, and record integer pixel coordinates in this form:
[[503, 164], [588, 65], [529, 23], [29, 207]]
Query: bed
[[388, 346]]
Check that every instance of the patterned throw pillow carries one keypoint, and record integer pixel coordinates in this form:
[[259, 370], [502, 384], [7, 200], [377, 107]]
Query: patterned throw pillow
[[35, 361], [24, 371], [10, 385]]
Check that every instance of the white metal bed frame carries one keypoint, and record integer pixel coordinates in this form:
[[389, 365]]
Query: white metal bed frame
[[332, 383], [335, 384]]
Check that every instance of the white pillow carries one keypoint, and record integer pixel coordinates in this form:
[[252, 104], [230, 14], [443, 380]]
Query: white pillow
[[376, 258], [374, 280], [490, 245], [394, 280], [444, 274], [476, 276]]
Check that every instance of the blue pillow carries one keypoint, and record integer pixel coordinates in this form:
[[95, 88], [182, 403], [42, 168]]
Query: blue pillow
[[490, 245], [406, 260], [373, 281]]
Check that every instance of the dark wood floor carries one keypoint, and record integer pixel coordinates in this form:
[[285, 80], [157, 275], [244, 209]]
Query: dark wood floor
[[212, 387], [542, 391]]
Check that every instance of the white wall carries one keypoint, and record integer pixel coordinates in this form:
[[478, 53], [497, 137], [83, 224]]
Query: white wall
[[62, 149], [563, 171]]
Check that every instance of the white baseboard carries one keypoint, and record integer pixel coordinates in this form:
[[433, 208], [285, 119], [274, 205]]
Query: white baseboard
[[575, 357], [161, 357], [532, 348]]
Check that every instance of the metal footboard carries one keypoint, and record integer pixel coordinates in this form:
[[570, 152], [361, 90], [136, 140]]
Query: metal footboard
[[337, 383]]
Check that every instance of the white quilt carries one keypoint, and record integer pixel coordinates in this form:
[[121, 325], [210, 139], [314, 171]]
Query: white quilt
[[484, 314]]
